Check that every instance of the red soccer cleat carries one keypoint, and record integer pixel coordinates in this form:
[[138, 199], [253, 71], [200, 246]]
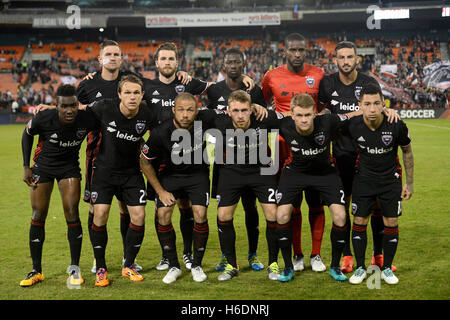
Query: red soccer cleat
[[378, 261], [347, 264]]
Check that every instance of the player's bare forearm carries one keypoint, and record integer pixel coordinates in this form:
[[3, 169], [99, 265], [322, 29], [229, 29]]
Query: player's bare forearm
[[408, 163], [150, 175]]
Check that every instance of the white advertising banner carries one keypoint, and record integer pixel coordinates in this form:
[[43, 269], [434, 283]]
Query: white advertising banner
[[212, 20]]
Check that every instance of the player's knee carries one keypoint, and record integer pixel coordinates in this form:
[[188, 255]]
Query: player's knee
[[390, 222], [71, 213], [360, 220], [39, 215]]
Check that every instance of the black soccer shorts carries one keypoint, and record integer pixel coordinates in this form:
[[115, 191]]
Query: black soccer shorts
[[45, 175], [193, 186], [366, 190], [129, 189], [233, 184], [292, 183], [346, 167]]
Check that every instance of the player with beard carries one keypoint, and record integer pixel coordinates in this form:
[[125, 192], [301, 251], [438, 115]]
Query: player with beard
[[160, 95], [61, 132], [218, 93], [340, 92], [282, 84]]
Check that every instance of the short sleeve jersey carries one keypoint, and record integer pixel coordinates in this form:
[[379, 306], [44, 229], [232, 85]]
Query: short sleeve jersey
[[248, 148], [121, 137], [341, 98], [219, 92], [180, 151], [161, 96], [377, 149], [96, 89], [282, 85], [59, 145], [311, 153]]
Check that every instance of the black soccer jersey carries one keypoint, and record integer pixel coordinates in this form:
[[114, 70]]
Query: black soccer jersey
[[59, 145], [120, 145], [311, 153], [377, 150], [341, 98], [97, 88], [219, 92], [161, 96], [180, 150], [247, 147]]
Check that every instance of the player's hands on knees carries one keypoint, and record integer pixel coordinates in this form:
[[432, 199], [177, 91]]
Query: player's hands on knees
[[42, 107], [391, 115], [407, 191], [167, 198], [28, 177], [248, 82], [259, 111], [184, 77], [89, 76]]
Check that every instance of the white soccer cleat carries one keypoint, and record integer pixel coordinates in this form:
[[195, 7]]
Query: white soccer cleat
[[163, 264], [359, 276], [388, 276], [94, 267], [317, 264], [273, 271], [187, 259], [172, 275], [198, 274], [299, 263]]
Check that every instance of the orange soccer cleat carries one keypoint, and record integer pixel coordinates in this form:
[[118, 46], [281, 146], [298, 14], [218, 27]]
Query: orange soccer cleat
[[132, 274], [347, 264], [101, 278]]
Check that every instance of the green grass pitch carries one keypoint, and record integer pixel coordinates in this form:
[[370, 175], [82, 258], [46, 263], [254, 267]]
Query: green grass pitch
[[422, 258]]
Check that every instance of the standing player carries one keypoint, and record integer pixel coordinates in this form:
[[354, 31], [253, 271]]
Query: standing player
[[218, 93], [310, 167], [378, 177], [61, 132], [160, 95], [282, 84], [237, 179], [179, 179], [95, 87], [116, 172], [339, 92]]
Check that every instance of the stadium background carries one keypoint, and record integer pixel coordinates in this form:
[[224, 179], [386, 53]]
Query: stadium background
[[406, 55]]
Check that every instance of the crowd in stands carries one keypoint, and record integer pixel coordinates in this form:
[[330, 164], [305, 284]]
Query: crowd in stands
[[409, 55]]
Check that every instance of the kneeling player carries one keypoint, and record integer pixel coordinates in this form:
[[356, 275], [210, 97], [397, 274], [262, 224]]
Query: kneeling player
[[310, 167], [378, 177], [61, 132]]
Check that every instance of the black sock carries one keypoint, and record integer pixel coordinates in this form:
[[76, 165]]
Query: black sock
[[252, 226], [272, 241], [284, 238], [377, 224], [187, 229], [36, 242], [359, 241], [135, 236], [75, 237], [347, 250], [390, 243], [337, 236], [227, 238], [200, 239], [90, 222], [124, 226], [100, 240], [167, 239]]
